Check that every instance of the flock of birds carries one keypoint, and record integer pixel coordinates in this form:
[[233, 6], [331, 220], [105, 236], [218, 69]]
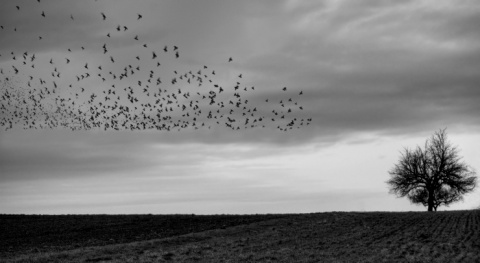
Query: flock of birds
[[119, 91]]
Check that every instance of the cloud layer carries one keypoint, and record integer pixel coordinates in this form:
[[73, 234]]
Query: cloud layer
[[381, 68]]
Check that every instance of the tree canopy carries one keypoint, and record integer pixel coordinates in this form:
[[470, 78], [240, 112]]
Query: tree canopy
[[432, 176]]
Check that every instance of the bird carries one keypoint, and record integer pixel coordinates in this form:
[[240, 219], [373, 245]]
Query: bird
[[160, 106]]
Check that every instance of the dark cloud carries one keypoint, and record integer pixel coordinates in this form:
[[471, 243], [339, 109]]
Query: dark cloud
[[40, 155], [28, 155], [362, 64], [378, 65]]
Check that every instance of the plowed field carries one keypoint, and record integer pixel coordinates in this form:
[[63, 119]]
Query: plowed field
[[452, 236]]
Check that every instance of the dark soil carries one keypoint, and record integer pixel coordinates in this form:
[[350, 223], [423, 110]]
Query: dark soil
[[452, 236], [49, 233]]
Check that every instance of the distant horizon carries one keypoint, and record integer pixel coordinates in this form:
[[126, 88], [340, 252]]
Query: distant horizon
[[285, 213]]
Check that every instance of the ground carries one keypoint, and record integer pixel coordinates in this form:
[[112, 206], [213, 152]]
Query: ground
[[451, 236]]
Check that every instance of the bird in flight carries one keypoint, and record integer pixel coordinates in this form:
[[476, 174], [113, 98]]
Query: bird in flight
[[192, 99]]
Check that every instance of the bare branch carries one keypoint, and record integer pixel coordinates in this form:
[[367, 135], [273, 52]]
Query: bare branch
[[432, 176]]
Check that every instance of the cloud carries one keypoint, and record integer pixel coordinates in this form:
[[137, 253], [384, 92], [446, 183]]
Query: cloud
[[366, 67], [63, 154], [57, 154], [378, 65]]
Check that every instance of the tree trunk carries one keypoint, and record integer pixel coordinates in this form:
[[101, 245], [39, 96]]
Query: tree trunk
[[430, 200]]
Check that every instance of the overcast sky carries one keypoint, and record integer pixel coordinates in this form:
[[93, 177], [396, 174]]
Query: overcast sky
[[376, 76]]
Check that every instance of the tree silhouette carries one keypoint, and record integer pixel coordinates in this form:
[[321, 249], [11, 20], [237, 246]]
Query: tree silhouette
[[432, 176]]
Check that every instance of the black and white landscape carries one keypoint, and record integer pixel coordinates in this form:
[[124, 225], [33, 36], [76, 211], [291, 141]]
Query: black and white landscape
[[234, 107], [227, 106]]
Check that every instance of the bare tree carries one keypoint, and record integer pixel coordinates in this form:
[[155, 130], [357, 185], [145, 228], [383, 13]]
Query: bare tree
[[433, 176]]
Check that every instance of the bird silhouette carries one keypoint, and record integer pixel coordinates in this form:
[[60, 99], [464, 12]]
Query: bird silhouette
[[191, 100]]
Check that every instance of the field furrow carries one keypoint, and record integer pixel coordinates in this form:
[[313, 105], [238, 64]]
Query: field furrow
[[322, 237]]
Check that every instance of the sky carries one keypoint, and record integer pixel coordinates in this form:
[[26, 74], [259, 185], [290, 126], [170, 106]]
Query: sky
[[376, 77]]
